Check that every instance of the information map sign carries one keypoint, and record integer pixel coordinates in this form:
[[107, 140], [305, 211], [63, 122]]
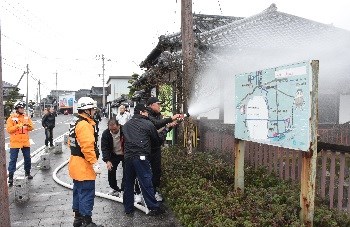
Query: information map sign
[[273, 106]]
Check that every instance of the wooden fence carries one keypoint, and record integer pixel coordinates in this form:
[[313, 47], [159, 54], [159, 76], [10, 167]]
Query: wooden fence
[[333, 167]]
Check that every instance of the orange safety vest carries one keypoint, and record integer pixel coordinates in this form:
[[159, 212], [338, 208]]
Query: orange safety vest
[[18, 126], [80, 168]]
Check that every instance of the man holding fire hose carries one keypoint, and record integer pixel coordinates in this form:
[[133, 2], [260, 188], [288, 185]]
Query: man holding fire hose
[[153, 108]]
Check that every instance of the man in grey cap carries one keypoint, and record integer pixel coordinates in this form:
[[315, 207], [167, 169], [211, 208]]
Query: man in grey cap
[[153, 108]]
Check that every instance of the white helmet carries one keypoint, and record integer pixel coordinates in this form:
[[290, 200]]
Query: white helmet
[[19, 104], [85, 103]]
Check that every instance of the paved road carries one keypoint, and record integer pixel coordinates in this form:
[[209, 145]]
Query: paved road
[[50, 202]]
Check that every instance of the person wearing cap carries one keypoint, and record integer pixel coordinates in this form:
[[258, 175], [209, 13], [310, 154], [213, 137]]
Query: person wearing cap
[[83, 165], [153, 109], [139, 134], [18, 126]]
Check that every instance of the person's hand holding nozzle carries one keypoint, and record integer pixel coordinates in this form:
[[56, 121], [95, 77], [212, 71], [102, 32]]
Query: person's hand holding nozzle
[[176, 116], [183, 116]]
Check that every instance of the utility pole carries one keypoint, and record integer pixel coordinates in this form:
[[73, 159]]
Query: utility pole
[[4, 193], [56, 109], [187, 35], [103, 82], [27, 72], [39, 95], [98, 57], [187, 50], [103, 78]]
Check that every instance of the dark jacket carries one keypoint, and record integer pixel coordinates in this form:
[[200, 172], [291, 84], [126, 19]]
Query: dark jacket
[[48, 120], [140, 135], [156, 118], [97, 116], [107, 144]]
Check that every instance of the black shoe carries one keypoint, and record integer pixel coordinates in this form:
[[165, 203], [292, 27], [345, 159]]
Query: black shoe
[[28, 176], [91, 224], [10, 183], [10, 180], [87, 222], [78, 220], [156, 212], [129, 214]]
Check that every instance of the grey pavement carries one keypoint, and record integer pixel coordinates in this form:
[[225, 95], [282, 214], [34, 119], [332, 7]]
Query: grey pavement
[[50, 203]]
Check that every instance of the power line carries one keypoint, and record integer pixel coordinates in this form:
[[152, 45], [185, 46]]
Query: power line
[[32, 76], [13, 65], [22, 15], [13, 14], [39, 19], [220, 7], [22, 45]]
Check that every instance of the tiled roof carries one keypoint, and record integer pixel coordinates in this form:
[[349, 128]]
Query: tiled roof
[[6, 84], [201, 23], [118, 78], [264, 32], [97, 90], [272, 29]]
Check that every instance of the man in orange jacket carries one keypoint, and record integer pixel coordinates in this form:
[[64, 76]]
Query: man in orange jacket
[[83, 165], [18, 126]]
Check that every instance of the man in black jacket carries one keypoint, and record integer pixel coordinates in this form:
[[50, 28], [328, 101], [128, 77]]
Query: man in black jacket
[[153, 109], [48, 122], [112, 146], [139, 135]]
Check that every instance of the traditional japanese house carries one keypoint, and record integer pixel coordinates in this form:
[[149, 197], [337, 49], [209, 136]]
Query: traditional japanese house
[[226, 46]]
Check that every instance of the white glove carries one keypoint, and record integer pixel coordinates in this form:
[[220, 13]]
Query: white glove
[[96, 168]]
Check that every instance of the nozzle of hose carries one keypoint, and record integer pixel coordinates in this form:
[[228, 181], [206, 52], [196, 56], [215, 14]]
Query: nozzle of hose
[[186, 115], [181, 118]]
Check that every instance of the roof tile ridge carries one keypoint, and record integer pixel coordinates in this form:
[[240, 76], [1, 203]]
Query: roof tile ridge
[[175, 34], [272, 8], [328, 26]]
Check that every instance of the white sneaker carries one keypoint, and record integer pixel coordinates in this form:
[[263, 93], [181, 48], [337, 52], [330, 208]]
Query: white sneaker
[[159, 197], [138, 198]]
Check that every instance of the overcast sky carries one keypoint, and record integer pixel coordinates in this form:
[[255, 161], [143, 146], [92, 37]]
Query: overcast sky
[[69, 36]]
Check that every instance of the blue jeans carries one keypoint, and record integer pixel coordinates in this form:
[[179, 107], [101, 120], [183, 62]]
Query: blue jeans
[[134, 167], [83, 196], [13, 159]]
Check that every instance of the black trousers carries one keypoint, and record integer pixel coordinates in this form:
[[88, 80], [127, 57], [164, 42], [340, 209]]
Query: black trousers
[[112, 174], [49, 136], [156, 166]]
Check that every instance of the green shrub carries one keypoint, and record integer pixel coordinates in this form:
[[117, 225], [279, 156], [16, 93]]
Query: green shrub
[[199, 188]]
